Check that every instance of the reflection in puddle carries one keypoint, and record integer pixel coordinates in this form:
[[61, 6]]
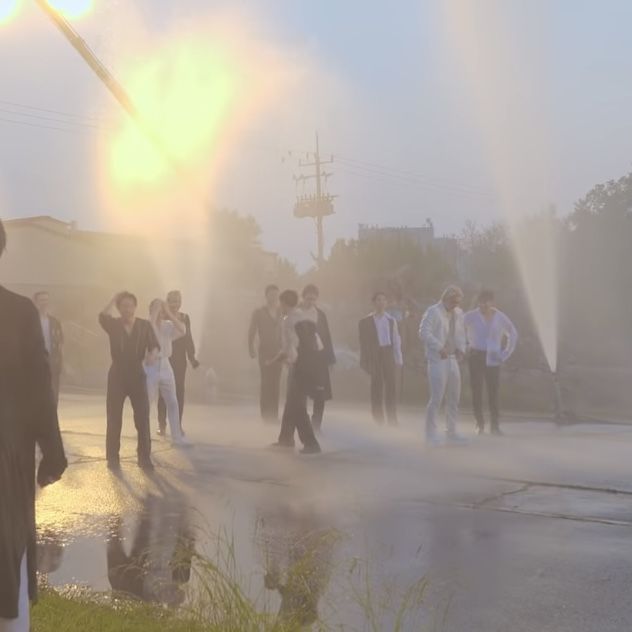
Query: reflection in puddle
[[158, 564], [298, 549]]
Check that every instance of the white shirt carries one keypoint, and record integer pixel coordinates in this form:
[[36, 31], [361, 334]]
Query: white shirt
[[311, 313], [383, 324], [488, 335], [45, 322], [289, 337], [166, 333], [434, 330]]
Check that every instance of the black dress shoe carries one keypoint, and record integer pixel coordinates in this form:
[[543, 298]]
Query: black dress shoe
[[281, 446], [146, 465], [497, 432], [312, 449]]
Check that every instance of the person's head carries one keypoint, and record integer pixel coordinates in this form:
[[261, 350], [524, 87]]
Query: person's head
[[310, 295], [288, 300], [380, 302], [126, 304], [485, 301], [156, 309], [452, 297], [272, 296], [174, 300], [42, 301], [3, 238]]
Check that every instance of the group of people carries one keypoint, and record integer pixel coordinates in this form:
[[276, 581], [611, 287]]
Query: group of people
[[297, 334], [149, 364], [293, 333]]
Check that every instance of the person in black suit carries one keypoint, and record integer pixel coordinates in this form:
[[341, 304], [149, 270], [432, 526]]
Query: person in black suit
[[53, 339], [380, 354], [265, 324], [183, 349], [28, 416], [299, 351], [131, 340], [326, 357]]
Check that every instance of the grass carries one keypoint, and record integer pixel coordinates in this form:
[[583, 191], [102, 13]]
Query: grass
[[58, 612], [218, 602]]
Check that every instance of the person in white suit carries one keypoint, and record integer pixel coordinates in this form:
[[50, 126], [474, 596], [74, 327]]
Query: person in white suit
[[443, 333]]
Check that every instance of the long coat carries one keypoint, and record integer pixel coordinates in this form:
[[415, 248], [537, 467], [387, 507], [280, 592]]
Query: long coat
[[28, 416], [327, 356]]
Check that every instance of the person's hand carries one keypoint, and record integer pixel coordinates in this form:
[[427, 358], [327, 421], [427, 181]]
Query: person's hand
[[459, 355], [444, 354], [195, 363], [253, 354]]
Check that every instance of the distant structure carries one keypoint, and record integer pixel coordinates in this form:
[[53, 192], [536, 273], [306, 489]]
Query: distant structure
[[422, 236], [319, 204]]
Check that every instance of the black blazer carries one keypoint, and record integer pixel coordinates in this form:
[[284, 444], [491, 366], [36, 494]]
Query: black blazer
[[28, 416], [369, 342], [322, 328]]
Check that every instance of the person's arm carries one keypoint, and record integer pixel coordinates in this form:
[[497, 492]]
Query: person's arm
[[179, 328], [425, 331], [189, 343], [460, 339], [252, 334], [105, 315], [43, 412], [512, 338], [326, 340], [397, 344], [364, 352]]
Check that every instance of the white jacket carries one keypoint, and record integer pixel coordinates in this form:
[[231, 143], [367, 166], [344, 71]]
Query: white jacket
[[434, 330]]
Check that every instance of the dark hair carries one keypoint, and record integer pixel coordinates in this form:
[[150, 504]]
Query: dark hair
[[173, 294], [124, 296], [289, 298], [378, 294], [40, 293], [484, 296], [310, 289], [271, 288], [3, 238]]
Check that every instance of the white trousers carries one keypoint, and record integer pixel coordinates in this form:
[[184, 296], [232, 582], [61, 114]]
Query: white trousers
[[161, 381], [21, 624], [444, 381]]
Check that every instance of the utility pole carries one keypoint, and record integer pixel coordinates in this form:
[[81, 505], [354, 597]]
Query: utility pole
[[318, 205], [106, 77]]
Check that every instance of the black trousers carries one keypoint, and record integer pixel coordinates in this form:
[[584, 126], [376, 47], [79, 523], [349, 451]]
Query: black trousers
[[55, 376], [481, 374], [270, 390], [180, 374], [295, 416], [318, 411], [383, 388], [120, 387]]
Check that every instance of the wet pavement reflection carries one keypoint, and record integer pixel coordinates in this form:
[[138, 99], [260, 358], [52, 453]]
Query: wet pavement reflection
[[297, 546]]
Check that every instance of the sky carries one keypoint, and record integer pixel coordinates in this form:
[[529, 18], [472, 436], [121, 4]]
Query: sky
[[452, 110]]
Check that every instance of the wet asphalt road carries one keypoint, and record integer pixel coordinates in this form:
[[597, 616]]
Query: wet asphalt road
[[529, 532]]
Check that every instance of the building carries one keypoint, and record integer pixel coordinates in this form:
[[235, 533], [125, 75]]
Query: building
[[424, 237]]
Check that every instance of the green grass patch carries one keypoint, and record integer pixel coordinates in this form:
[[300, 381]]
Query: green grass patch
[[56, 612]]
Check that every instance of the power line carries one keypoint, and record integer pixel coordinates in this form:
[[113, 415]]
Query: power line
[[403, 172], [29, 124], [385, 178], [49, 118], [89, 117]]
